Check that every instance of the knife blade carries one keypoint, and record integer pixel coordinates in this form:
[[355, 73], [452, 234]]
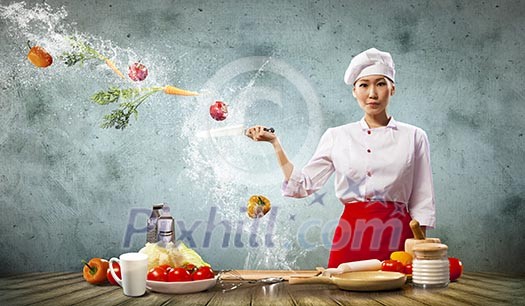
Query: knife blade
[[234, 130]]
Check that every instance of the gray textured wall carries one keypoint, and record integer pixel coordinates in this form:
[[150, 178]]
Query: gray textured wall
[[68, 187]]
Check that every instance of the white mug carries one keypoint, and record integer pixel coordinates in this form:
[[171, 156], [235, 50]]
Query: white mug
[[134, 269]]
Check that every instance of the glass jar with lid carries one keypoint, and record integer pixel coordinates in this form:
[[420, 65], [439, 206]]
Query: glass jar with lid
[[430, 267]]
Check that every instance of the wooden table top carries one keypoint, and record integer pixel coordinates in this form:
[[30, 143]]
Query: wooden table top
[[69, 288]]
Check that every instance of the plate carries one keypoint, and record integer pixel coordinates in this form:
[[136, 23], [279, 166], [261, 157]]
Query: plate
[[369, 280], [181, 287]]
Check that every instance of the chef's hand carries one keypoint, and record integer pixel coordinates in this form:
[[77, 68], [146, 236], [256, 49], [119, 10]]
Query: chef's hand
[[257, 133]]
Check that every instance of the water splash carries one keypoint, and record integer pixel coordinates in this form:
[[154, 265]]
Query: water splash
[[258, 74], [41, 24], [48, 27], [229, 169], [233, 168]]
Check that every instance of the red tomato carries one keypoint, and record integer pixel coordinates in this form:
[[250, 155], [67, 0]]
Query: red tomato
[[392, 265], [179, 275], [157, 274], [165, 267], [203, 272], [190, 267], [456, 268], [408, 269], [116, 268]]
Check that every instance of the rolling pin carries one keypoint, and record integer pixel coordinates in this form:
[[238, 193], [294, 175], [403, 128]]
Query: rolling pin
[[419, 237], [361, 265]]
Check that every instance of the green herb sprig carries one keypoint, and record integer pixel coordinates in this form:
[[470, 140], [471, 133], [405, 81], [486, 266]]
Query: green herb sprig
[[81, 52], [131, 99]]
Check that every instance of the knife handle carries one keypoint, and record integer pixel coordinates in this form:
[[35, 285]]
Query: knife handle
[[271, 130]]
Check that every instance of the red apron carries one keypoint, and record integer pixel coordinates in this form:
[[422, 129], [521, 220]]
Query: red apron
[[370, 230]]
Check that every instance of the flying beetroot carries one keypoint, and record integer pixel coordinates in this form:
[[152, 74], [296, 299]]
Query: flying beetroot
[[219, 110], [137, 72]]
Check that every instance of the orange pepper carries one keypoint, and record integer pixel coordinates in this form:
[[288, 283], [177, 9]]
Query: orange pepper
[[39, 57], [95, 270], [403, 257], [258, 206]]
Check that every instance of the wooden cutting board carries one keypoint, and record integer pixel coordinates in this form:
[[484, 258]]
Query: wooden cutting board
[[259, 274]]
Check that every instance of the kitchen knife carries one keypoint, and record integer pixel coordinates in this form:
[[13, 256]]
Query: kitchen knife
[[234, 130]]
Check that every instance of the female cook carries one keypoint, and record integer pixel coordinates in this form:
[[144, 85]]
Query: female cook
[[382, 168]]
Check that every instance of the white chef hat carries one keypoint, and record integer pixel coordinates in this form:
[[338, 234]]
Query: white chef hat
[[369, 62]]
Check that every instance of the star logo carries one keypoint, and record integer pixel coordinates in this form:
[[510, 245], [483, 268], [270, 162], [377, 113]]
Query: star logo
[[352, 187], [292, 217], [353, 190], [318, 198], [399, 208], [375, 199]]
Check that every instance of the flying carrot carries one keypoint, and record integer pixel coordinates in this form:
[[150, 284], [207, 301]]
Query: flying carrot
[[172, 90], [82, 51], [114, 68]]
